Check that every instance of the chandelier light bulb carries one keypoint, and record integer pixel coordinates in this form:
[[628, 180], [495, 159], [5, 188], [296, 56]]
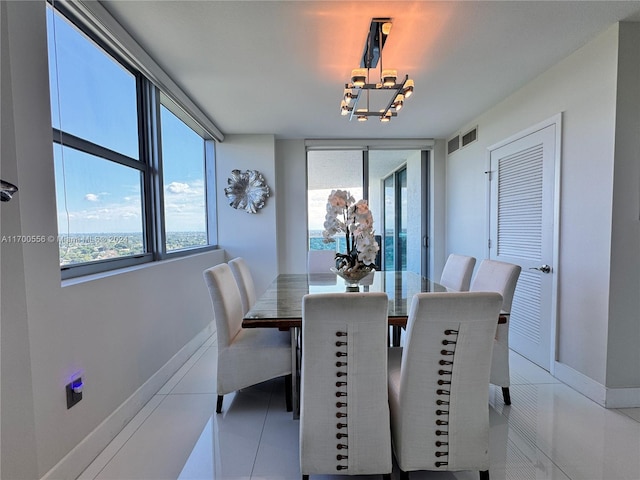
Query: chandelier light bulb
[[408, 88], [389, 77], [348, 95], [398, 102], [359, 77]]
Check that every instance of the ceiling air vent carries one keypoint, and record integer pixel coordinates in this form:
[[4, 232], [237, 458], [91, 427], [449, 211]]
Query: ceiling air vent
[[470, 136], [453, 144]]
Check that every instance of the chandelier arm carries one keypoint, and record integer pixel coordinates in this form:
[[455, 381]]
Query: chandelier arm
[[355, 104], [398, 87]]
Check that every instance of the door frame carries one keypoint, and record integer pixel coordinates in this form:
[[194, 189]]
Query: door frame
[[556, 121], [397, 217]]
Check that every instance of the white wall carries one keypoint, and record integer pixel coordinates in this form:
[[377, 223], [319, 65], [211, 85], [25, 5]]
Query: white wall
[[242, 234], [623, 363], [119, 330], [583, 87], [437, 205], [18, 427], [291, 171]]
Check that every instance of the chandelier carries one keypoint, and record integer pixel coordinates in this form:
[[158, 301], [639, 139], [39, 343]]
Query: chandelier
[[366, 97]]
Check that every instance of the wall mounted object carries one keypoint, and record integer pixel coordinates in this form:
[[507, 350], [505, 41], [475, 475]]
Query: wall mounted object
[[7, 190], [247, 190]]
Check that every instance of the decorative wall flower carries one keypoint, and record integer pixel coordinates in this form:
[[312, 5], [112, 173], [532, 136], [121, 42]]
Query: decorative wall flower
[[247, 190]]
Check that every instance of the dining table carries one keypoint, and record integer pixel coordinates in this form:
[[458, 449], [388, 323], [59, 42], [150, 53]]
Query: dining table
[[280, 306]]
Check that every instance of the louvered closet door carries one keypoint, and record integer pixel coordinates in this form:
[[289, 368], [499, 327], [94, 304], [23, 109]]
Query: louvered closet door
[[521, 226]]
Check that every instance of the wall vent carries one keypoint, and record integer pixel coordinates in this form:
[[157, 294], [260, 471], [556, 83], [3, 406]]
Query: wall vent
[[453, 144], [470, 136]]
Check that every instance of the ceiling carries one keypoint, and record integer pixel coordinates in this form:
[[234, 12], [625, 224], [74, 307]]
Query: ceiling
[[279, 67]]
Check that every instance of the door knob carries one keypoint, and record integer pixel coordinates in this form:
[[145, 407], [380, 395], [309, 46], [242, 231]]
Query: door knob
[[543, 269]]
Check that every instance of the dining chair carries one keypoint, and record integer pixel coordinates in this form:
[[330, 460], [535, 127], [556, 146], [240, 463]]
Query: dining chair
[[501, 277], [246, 356], [439, 383], [456, 275], [344, 412], [320, 261], [244, 279]]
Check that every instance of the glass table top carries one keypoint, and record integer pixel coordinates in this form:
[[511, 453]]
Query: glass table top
[[281, 303]]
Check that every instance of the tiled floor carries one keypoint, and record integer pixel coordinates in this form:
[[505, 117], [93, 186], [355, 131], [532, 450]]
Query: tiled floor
[[549, 432]]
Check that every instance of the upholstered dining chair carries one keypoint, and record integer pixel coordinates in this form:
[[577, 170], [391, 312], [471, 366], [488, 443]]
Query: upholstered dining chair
[[456, 275], [242, 274], [246, 356], [501, 277], [439, 383], [344, 412]]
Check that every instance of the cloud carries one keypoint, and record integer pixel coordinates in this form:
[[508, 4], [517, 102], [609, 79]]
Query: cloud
[[184, 206], [178, 187]]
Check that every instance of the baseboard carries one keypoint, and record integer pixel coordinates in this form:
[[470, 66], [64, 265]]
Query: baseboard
[[607, 397], [581, 383], [78, 459], [623, 398]]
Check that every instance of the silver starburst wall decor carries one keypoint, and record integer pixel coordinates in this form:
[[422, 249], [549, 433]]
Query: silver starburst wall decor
[[247, 190]]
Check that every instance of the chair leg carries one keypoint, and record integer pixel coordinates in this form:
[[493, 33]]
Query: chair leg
[[305, 477], [396, 336], [219, 404], [386, 476], [288, 392], [404, 475], [506, 395], [484, 475]]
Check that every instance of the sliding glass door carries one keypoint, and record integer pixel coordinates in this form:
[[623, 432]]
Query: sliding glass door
[[396, 185], [395, 220], [393, 182]]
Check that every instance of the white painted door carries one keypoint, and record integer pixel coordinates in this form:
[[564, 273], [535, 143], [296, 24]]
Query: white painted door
[[522, 218]]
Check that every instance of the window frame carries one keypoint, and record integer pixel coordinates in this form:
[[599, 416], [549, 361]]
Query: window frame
[[149, 97], [161, 98]]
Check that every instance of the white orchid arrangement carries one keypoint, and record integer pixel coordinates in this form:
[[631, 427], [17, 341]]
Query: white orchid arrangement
[[355, 221]]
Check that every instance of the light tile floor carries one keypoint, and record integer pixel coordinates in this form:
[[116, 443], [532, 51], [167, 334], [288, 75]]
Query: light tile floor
[[549, 432]]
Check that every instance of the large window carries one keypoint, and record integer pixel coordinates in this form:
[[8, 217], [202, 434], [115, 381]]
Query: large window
[[130, 165], [392, 181], [183, 172], [327, 171]]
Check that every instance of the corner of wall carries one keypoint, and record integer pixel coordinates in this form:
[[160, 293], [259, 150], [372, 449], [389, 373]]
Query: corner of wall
[[437, 209]]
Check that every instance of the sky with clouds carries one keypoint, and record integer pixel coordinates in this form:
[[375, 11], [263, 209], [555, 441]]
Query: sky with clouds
[[95, 99]]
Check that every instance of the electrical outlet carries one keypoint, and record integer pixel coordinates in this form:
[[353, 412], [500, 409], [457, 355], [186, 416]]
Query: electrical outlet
[[74, 392]]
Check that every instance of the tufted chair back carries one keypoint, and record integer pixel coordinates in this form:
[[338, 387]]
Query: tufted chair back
[[344, 412], [439, 382]]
